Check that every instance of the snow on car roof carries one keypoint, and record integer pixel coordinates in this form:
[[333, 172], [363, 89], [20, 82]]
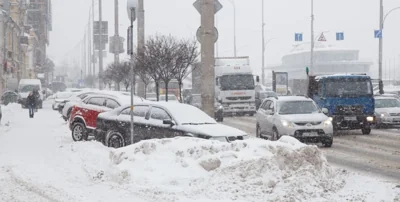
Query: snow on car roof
[[293, 98], [386, 97], [338, 76]]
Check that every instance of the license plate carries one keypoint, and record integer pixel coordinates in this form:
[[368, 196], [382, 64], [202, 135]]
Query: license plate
[[350, 118], [312, 134]]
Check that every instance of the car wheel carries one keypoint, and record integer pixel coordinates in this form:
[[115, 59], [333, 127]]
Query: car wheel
[[115, 139], [275, 135], [79, 132], [366, 131], [327, 143]]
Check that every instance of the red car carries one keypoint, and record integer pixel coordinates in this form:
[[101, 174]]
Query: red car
[[82, 122]]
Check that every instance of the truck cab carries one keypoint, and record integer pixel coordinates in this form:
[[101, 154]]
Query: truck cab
[[235, 85], [347, 99]]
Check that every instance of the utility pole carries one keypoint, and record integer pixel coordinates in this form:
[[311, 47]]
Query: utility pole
[[216, 44], [140, 41], [116, 35], [93, 56], [234, 26], [380, 46], [312, 38], [90, 46], [100, 48], [263, 44], [207, 56]]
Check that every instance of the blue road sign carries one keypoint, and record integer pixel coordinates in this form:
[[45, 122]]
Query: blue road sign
[[298, 36], [378, 34], [339, 36]]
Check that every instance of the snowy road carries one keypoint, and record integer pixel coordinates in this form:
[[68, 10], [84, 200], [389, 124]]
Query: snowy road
[[377, 154]]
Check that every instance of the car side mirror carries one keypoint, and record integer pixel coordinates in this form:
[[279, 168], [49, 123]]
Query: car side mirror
[[269, 112], [168, 122], [325, 111]]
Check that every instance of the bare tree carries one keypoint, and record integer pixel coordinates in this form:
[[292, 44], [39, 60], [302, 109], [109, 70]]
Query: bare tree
[[144, 75], [106, 77], [119, 72], [186, 57]]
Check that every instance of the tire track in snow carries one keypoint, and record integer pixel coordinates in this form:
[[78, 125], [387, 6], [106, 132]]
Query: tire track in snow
[[377, 153], [16, 188]]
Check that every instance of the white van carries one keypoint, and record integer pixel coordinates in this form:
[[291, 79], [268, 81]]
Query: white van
[[28, 85]]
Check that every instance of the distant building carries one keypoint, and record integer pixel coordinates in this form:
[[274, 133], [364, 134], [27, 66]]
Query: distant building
[[327, 60]]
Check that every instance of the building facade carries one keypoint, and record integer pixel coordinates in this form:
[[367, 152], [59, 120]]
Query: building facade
[[24, 37]]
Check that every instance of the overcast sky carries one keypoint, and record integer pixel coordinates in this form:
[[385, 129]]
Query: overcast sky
[[356, 18]]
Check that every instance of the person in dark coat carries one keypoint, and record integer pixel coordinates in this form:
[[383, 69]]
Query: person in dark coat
[[37, 98], [31, 103]]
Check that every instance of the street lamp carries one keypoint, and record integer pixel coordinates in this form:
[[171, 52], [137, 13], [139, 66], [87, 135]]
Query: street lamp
[[382, 19], [234, 26], [131, 8]]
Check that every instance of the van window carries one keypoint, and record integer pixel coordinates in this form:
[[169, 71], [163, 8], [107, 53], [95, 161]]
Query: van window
[[28, 88]]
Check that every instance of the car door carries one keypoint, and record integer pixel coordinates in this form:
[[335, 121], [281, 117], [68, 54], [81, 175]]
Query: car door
[[140, 127], [263, 116], [93, 108], [157, 129]]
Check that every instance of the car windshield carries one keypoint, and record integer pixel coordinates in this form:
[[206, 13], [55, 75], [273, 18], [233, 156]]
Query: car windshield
[[190, 115], [237, 82], [348, 87], [63, 95], [28, 88], [387, 103], [297, 107]]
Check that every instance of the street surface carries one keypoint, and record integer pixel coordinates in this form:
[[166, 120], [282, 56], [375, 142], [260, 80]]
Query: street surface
[[377, 154]]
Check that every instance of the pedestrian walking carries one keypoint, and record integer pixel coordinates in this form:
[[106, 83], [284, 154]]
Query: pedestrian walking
[[31, 102]]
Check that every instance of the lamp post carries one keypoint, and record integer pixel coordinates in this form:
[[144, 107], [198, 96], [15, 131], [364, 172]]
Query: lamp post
[[131, 6], [382, 19]]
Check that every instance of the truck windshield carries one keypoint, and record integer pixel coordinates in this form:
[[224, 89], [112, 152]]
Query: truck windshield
[[387, 103], [348, 87], [297, 107], [237, 82], [28, 88]]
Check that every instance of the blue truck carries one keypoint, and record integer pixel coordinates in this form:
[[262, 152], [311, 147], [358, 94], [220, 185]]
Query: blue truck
[[347, 99]]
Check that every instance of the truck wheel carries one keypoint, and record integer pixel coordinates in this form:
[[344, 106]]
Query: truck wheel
[[366, 131]]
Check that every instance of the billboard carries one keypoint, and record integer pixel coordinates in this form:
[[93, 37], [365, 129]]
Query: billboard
[[280, 82]]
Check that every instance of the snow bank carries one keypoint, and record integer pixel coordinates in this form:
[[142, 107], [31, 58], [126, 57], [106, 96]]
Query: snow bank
[[251, 170]]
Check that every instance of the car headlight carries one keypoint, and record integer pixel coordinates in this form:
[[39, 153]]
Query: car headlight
[[287, 124], [383, 114], [328, 122], [370, 118]]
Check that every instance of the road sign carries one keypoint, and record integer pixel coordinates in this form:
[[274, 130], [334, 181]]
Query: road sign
[[200, 33], [378, 34], [104, 27], [339, 36], [116, 45], [298, 36], [96, 39], [217, 6], [322, 37]]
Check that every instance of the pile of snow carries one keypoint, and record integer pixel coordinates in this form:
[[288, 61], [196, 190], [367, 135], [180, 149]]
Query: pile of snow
[[250, 170]]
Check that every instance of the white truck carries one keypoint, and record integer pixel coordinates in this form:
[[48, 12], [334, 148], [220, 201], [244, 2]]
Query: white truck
[[235, 85]]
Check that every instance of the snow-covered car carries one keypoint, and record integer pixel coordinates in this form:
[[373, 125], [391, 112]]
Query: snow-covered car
[[387, 111], [82, 121], [9, 97], [155, 120], [59, 98], [295, 116], [66, 106]]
